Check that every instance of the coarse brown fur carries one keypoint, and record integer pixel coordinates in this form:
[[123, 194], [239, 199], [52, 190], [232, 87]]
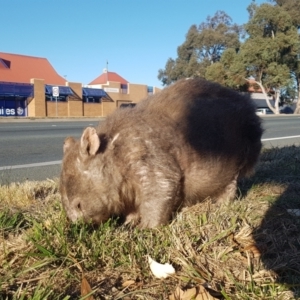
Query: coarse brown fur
[[191, 141]]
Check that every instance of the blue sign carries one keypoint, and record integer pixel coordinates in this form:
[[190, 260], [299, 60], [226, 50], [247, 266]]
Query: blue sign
[[12, 108]]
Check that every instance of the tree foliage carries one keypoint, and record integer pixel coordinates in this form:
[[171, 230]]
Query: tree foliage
[[228, 71], [203, 46], [292, 7]]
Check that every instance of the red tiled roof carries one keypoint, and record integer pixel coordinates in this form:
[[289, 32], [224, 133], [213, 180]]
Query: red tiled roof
[[109, 76], [21, 68]]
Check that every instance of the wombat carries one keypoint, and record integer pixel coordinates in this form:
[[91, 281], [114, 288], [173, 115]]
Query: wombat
[[189, 142]]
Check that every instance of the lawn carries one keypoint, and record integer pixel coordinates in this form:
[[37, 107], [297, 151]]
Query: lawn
[[246, 249]]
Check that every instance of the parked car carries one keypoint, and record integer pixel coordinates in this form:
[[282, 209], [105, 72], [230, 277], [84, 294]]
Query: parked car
[[263, 111], [286, 110]]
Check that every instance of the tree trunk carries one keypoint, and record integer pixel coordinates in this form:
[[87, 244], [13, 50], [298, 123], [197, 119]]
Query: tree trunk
[[297, 109], [275, 109]]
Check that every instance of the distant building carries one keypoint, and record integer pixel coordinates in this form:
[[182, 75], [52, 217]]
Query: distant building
[[260, 100], [26, 89]]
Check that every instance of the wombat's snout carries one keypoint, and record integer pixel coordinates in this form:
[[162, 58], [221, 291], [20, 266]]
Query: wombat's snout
[[79, 210], [75, 211]]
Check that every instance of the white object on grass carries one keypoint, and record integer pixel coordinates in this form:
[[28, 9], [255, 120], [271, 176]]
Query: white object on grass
[[160, 270]]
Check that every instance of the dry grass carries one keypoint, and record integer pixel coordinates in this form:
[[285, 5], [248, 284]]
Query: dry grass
[[248, 249]]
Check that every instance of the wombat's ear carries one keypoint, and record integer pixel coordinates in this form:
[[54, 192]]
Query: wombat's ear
[[89, 142], [68, 143]]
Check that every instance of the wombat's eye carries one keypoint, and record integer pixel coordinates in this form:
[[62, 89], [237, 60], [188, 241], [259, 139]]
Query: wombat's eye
[[78, 206]]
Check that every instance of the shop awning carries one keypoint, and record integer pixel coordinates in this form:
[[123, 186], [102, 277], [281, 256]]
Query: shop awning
[[16, 89], [63, 90], [91, 92]]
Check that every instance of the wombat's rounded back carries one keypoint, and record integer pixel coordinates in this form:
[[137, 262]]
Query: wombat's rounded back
[[216, 121]]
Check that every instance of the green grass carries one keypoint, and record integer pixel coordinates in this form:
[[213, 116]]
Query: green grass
[[247, 249]]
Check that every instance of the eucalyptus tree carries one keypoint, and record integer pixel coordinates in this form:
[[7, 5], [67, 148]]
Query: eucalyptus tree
[[267, 56], [292, 7], [269, 50], [203, 46]]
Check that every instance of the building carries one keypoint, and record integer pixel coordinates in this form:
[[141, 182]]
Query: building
[[259, 99], [261, 103], [28, 85]]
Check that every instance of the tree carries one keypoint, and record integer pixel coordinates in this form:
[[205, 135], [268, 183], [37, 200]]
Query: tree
[[269, 53], [266, 55], [292, 7], [269, 49], [203, 46]]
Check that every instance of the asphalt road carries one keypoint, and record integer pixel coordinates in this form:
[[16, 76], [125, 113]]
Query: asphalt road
[[280, 131], [32, 149]]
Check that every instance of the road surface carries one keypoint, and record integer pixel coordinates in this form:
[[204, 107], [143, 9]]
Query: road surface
[[283, 130], [32, 149]]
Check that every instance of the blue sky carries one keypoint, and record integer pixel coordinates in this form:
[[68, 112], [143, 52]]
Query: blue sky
[[136, 37]]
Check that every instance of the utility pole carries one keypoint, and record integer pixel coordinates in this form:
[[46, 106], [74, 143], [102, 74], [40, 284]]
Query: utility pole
[[106, 70]]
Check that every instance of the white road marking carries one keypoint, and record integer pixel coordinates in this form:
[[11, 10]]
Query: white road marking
[[33, 165], [281, 138]]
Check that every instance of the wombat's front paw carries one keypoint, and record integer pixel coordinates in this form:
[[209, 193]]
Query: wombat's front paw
[[132, 219]]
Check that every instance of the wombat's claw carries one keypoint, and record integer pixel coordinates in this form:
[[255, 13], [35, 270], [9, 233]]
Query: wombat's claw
[[132, 220]]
